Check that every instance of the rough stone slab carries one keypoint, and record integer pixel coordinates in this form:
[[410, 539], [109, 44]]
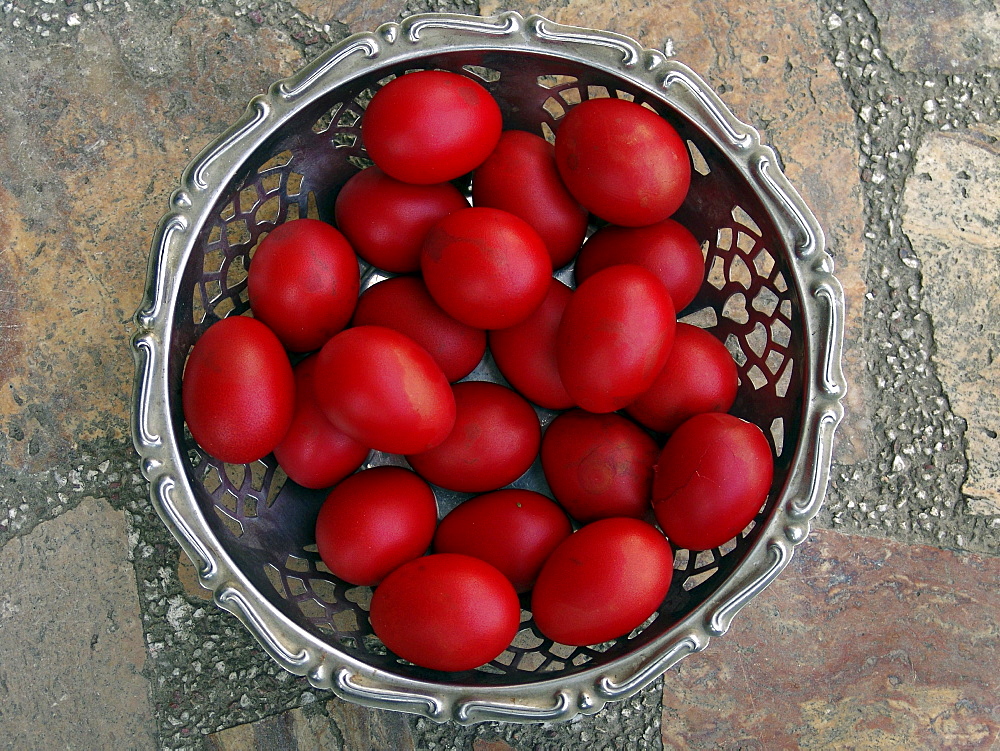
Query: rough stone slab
[[951, 212], [632, 724], [767, 63], [374, 729], [87, 162], [483, 745], [334, 726], [357, 14], [944, 36], [70, 637], [295, 730], [860, 643]]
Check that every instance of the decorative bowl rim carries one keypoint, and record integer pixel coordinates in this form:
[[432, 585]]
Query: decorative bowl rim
[[558, 697]]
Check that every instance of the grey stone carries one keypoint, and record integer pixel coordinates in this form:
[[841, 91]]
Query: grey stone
[[946, 35], [375, 729], [910, 485], [71, 637], [951, 212], [296, 730]]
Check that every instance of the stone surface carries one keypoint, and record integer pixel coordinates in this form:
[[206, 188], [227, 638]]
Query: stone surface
[[858, 644], [336, 724], [483, 745], [295, 730], [94, 142], [71, 637], [952, 209], [910, 485], [767, 63], [105, 102], [945, 36], [375, 729], [358, 15], [79, 202], [210, 674]]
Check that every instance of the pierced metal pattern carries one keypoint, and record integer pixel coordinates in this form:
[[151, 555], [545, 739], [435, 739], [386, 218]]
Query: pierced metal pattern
[[239, 492], [339, 610], [769, 295], [750, 307], [271, 196]]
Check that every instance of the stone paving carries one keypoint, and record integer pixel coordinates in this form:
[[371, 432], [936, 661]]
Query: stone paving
[[881, 633]]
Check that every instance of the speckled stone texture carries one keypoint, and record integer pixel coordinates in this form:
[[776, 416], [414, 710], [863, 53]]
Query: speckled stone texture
[[948, 36], [336, 726], [78, 194], [951, 212], [633, 724], [886, 115], [910, 485], [85, 174]]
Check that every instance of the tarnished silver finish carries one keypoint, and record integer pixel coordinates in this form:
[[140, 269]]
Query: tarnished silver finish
[[770, 295]]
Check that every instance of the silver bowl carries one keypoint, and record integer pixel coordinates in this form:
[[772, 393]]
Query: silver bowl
[[770, 296]]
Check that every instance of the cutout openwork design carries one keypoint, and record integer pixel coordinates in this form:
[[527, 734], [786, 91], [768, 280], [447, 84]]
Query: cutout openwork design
[[767, 296], [742, 274]]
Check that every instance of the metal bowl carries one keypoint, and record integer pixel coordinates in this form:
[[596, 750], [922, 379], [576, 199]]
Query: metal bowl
[[770, 296]]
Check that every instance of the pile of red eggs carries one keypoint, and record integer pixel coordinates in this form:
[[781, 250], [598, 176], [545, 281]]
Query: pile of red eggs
[[643, 451]]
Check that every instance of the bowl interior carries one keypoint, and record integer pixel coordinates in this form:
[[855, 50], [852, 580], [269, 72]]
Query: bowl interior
[[265, 522]]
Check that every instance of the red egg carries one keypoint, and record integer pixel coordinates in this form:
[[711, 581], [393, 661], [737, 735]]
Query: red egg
[[404, 304], [623, 162], [303, 283], [314, 453], [386, 220], [512, 529], [384, 390], [373, 522], [446, 611], [599, 465], [238, 392], [699, 376], [494, 441], [521, 177], [430, 126], [667, 249], [526, 352], [486, 267], [712, 477], [602, 581], [614, 337]]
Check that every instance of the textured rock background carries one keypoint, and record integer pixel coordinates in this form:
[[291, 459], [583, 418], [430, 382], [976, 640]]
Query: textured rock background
[[954, 36], [921, 675], [952, 209], [72, 638], [885, 114]]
